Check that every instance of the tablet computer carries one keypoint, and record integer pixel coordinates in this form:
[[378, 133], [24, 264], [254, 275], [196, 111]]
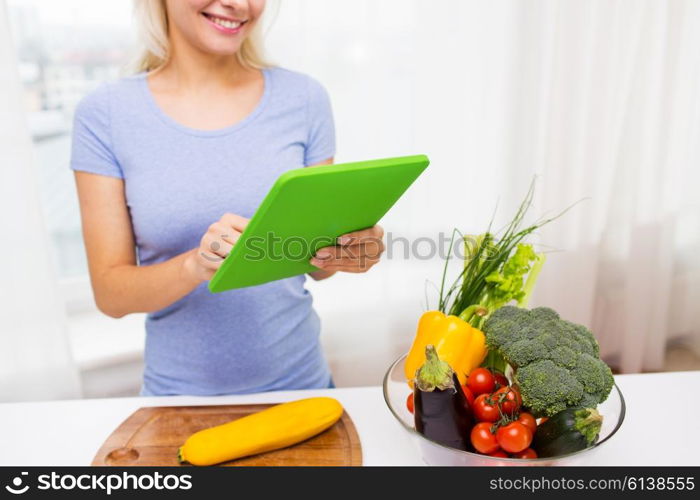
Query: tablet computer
[[308, 208]]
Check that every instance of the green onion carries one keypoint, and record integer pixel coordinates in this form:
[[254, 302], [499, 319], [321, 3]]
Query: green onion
[[494, 269]]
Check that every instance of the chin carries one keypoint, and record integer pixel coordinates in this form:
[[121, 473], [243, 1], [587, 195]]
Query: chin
[[221, 49], [221, 46], [216, 47]]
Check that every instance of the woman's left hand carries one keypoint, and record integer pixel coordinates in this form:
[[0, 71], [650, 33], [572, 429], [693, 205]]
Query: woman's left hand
[[355, 252]]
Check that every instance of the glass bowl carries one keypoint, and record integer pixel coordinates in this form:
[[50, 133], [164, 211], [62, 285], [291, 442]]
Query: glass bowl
[[396, 391]]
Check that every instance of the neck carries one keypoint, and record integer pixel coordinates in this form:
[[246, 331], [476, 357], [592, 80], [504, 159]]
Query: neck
[[191, 68]]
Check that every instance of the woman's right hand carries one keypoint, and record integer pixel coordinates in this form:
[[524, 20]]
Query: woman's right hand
[[215, 245]]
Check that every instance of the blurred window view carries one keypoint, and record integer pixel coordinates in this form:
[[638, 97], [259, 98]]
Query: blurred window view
[[601, 103], [57, 68]]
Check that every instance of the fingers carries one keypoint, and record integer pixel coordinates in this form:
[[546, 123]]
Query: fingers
[[367, 242], [220, 238], [364, 242], [234, 221], [216, 245], [209, 260], [213, 249], [349, 265], [373, 233], [371, 250], [356, 252]]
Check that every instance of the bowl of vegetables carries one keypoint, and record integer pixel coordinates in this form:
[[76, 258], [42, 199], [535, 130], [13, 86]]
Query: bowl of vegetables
[[488, 381], [397, 394]]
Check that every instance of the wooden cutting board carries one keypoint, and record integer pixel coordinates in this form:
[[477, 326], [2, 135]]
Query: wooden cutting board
[[151, 436]]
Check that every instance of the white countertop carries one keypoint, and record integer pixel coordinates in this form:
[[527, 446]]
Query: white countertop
[[70, 432]]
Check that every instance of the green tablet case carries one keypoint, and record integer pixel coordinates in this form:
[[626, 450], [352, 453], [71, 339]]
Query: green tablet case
[[308, 208]]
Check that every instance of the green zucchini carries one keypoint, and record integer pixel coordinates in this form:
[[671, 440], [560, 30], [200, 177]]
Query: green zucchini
[[568, 431]]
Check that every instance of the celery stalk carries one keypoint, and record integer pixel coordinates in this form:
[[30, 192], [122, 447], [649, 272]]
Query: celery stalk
[[532, 279]]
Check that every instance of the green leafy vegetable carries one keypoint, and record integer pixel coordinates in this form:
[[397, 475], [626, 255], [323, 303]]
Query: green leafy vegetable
[[507, 284]]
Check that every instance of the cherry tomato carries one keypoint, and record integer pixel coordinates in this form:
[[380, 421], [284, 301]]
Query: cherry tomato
[[483, 440], [509, 400], [481, 381], [514, 437], [499, 454], [526, 453], [501, 380], [468, 394], [409, 402], [528, 421], [484, 411]]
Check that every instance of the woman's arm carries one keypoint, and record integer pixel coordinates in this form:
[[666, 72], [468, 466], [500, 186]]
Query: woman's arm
[[119, 285]]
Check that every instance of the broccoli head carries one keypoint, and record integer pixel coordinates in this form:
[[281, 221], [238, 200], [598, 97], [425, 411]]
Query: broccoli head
[[547, 388], [556, 362]]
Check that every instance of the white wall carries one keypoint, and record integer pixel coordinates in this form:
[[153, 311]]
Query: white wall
[[413, 77]]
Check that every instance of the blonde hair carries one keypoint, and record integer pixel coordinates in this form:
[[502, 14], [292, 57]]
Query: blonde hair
[[152, 19]]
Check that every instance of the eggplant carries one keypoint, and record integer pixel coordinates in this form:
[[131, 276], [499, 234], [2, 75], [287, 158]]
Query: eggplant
[[441, 412]]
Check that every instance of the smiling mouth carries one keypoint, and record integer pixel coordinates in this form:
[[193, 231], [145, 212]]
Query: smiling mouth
[[226, 24]]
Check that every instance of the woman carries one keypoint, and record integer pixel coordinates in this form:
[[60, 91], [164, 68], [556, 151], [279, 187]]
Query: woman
[[169, 165]]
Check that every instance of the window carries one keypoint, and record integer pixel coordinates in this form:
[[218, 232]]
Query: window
[[57, 68]]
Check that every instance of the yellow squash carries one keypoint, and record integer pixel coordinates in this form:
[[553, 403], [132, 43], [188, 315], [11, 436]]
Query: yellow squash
[[276, 427], [458, 343]]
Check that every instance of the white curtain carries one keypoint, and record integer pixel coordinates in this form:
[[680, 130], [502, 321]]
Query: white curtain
[[599, 98], [609, 109], [35, 361]]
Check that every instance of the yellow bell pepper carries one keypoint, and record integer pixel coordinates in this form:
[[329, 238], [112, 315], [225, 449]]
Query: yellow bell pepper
[[458, 343]]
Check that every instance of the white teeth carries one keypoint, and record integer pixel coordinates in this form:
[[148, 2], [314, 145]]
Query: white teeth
[[226, 24]]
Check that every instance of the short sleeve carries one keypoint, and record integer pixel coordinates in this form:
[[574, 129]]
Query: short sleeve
[[320, 144], [92, 137]]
